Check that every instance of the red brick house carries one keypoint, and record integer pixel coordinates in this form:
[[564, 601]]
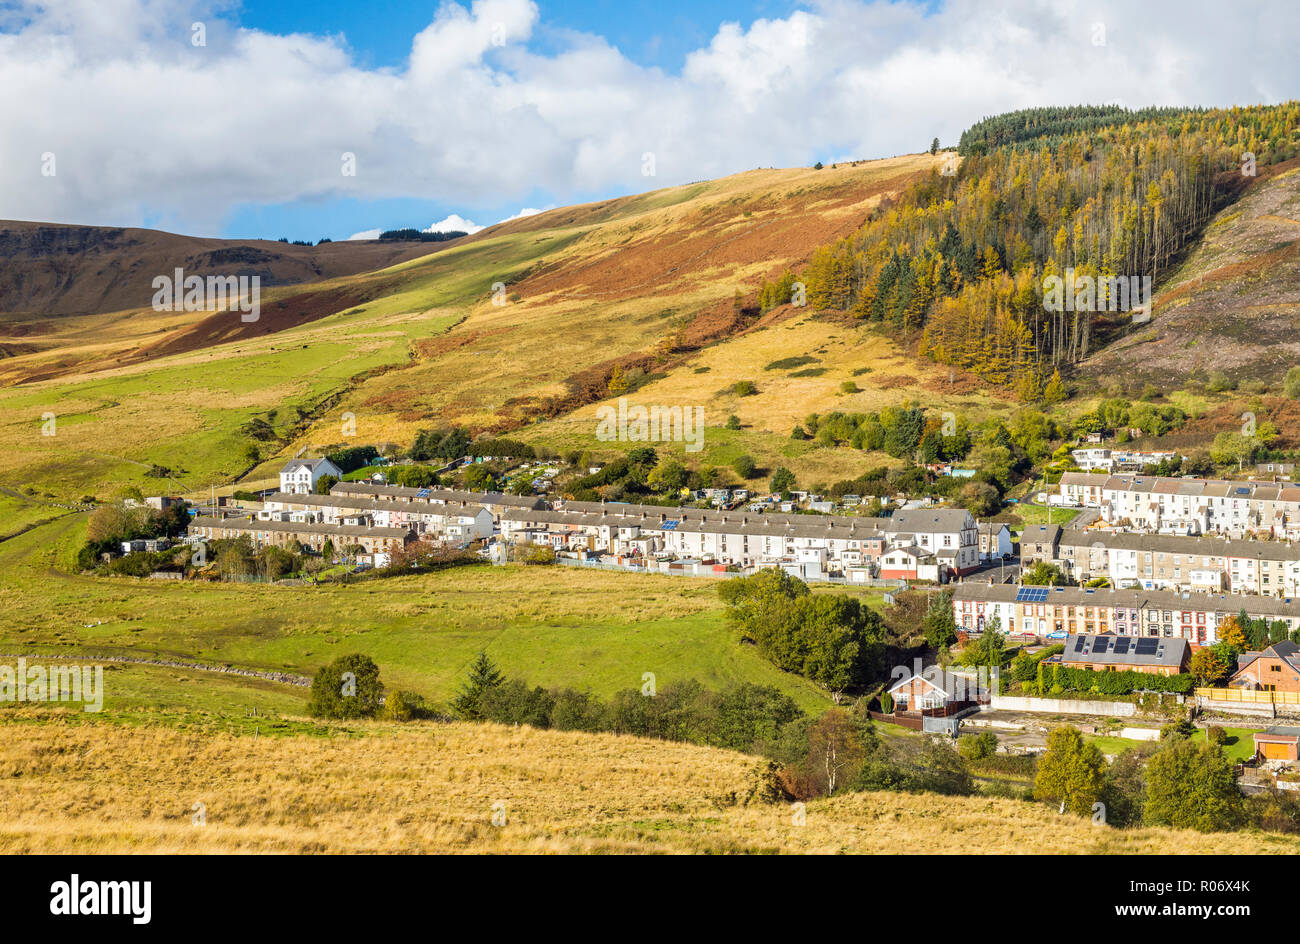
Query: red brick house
[[1276, 669]]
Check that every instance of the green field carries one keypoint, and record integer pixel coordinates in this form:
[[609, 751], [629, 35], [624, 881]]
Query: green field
[[550, 626]]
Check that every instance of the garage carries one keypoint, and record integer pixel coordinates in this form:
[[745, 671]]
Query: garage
[[1278, 743]]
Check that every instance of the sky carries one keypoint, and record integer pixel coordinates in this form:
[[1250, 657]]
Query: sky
[[338, 118]]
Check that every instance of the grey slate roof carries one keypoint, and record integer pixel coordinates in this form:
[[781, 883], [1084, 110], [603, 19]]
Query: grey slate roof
[[1100, 650], [436, 495]]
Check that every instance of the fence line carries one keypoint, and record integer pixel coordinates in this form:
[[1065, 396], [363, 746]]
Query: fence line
[[1249, 696]]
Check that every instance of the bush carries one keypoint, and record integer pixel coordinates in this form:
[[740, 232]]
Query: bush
[[533, 553], [744, 466], [1291, 385], [407, 706], [744, 388], [978, 746], [348, 687]]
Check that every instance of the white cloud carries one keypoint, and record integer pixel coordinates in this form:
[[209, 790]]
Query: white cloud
[[454, 224], [366, 234], [145, 126], [527, 211]]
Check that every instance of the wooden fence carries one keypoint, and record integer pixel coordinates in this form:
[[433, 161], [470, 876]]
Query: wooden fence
[[1249, 696]]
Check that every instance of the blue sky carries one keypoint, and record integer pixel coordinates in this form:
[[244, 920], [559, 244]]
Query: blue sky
[[650, 33], [485, 108]]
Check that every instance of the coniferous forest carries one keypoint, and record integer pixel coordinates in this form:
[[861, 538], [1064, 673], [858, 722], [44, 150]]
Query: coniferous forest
[[955, 265]]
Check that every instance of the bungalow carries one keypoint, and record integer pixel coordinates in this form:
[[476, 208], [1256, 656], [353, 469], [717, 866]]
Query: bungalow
[[1276, 669], [933, 688]]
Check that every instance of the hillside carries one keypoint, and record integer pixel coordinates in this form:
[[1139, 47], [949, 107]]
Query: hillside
[[647, 281], [427, 787], [1233, 305], [56, 269]]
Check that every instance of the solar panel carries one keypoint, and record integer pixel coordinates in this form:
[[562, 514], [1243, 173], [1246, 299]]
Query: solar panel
[[1147, 647], [1078, 645], [1031, 594], [1121, 645], [669, 525], [422, 493]]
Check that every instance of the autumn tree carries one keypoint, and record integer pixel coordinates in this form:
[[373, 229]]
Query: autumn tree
[[1207, 667], [1071, 772]]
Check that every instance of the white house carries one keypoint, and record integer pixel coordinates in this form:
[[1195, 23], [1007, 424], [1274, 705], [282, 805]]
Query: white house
[[299, 476]]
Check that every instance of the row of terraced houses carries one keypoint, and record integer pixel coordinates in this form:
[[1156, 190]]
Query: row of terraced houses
[[1187, 505], [920, 544]]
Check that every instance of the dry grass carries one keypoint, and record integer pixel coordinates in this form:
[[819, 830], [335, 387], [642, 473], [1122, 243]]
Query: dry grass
[[433, 788]]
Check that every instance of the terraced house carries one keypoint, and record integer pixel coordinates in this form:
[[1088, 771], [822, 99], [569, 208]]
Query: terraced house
[[373, 541], [1207, 564], [453, 521], [939, 542], [1185, 505], [495, 502], [1062, 611]]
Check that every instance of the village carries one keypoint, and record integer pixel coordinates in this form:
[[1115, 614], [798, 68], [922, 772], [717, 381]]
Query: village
[[1145, 574]]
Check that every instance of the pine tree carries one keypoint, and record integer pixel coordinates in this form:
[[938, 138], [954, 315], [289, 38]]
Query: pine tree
[[483, 677]]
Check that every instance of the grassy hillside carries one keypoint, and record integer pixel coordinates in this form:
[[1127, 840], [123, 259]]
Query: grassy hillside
[[651, 277], [71, 786], [554, 626]]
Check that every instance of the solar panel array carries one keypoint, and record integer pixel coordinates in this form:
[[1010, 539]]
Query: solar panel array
[[1031, 595], [1078, 643], [422, 493], [1121, 645], [1147, 647]]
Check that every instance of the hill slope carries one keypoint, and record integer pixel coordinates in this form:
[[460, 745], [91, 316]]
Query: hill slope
[[436, 787], [647, 280], [1234, 304], [55, 269]]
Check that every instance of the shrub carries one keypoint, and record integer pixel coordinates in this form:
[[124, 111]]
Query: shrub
[[407, 706], [348, 687], [744, 388], [978, 746]]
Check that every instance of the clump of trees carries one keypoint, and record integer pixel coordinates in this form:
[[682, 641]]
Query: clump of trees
[[1183, 782], [112, 523], [831, 639]]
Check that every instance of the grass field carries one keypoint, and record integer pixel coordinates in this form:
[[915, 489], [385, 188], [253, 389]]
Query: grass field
[[90, 786], [551, 626]]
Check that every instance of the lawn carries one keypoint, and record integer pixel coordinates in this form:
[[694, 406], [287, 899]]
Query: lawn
[[1240, 745], [1038, 514], [1112, 745]]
